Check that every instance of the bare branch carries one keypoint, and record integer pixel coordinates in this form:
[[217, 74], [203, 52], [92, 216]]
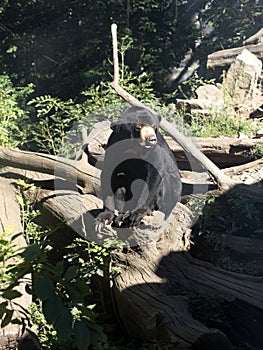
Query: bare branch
[[223, 181]]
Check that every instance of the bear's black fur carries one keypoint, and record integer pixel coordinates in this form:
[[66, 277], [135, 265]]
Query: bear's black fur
[[139, 173]]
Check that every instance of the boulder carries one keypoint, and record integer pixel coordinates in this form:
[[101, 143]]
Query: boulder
[[242, 78], [210, 99], [210, 92]]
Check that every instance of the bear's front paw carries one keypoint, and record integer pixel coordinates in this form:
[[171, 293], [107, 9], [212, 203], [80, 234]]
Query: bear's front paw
[[137, 216], [103, 223], [122, 219]]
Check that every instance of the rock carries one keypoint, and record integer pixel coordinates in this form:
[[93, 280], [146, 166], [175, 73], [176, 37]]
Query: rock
[[196, 106], [242, 77], [210, 92], [210, 99]]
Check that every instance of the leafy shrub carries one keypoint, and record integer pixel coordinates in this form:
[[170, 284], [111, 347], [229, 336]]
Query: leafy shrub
[[59, 122], [54, 119], [14, 115], [60, 291]]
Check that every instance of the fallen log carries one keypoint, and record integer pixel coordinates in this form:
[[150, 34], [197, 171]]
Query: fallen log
[[76, 172], [223, 151], [247, 248], [221, 60], [147, 306], [149, 312]]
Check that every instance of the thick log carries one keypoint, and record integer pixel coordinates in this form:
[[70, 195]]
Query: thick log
[[221, 60], [209, 280], [148, 312], [223, 151], [149, 309], [147, 306], [76, 172]]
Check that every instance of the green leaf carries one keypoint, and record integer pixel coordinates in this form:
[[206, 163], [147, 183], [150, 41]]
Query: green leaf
[[82, 338], [8, 317], [74, 294], [87, 311], [63, 324], [12, 49], [52, 308], [31, 252], [71, 273], [3, 307], [59, 268], [84, 287], [20, 200], [11, 294], [43, 287]]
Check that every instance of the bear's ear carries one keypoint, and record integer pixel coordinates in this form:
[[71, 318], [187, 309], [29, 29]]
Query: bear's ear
[[118, 125], [114, 125]]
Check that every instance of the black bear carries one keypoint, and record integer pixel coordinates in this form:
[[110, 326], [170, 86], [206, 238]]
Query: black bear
[[139, 173]]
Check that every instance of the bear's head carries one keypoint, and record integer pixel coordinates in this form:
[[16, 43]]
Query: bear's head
[[139, 124]]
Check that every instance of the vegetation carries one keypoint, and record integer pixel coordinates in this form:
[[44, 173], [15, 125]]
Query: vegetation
[[14, 114], [223, 216], [63, 47], [55, 80]]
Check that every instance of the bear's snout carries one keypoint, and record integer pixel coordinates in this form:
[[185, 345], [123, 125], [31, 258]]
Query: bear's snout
[[152, 140], [148, 136]]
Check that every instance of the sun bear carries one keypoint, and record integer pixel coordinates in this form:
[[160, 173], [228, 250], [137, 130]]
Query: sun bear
[[139, 174]]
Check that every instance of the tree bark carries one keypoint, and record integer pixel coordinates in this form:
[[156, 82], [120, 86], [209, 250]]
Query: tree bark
[[147, 293], [76, 172], [221, 60]]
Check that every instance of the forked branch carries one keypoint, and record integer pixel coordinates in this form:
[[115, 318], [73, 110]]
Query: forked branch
[[223, 181]]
